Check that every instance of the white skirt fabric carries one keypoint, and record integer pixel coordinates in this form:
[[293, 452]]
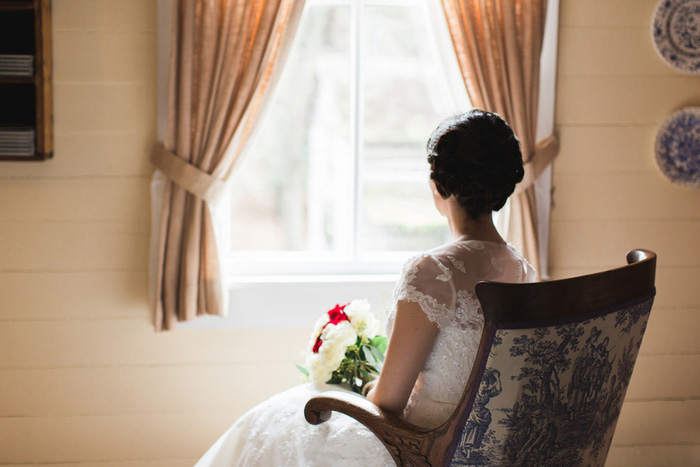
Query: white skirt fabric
[[275, 433], [442, 282]]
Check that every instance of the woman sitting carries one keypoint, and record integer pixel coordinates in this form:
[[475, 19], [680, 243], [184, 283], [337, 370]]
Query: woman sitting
[[435, 327]]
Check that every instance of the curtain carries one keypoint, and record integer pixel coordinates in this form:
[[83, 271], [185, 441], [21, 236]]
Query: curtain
[[222, 59], [498, 45]]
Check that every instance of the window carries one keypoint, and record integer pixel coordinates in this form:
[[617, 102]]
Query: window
[[332, 196], [335, 181]]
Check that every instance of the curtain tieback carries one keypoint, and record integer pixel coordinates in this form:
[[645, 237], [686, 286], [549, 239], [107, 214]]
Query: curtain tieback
[[545, 152], [190, 177]]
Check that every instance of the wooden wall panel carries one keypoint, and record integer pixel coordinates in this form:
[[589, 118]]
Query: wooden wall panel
[[672, 332], [605, 149], [618, 14], [654, 455], [656, 377], [92, 154], [622, 100], [147, 389], [658, 423], [105, 15], [631, 54], [103, 295], [72, 246], [83, 199], [99, 343], [622, 196], [104, 105], [94, 439], [112, 55], [602, 242], [613, 92]]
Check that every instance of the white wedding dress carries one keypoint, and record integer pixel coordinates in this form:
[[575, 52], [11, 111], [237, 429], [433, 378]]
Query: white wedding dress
[[442, 282]]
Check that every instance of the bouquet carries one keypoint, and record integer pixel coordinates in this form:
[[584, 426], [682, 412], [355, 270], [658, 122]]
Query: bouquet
[[345, 348]]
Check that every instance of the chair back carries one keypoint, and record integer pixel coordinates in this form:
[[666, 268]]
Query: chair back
[[549, 379], [555, 362]]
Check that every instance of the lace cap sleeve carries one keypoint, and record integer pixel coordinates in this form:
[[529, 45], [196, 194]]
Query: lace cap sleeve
[[428, 282]]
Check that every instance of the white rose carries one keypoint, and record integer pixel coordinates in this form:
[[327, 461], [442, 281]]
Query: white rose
[[363, 320], [342, 333], [317, 371], [322, 364], [331, 354], [317, 330]]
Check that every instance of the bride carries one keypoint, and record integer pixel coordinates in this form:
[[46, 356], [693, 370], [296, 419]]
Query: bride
[[435, 326]]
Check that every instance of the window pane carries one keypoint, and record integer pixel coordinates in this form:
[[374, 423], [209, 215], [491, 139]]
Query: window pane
[[291, 191], [337, 165], [404, 89]]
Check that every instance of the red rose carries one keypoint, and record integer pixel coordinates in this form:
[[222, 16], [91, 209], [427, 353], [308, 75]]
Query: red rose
[[336, 315]]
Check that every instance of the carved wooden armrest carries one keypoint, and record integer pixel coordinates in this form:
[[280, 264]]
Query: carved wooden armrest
[[404, 440]]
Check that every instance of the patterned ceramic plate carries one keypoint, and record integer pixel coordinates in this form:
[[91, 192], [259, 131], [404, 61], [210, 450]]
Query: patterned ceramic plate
[[675, 30], [678, 147]]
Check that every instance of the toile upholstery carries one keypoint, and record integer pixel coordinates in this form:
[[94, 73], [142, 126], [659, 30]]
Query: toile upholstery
[[553, 366]]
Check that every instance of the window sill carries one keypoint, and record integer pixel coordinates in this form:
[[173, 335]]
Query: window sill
[[296, 301], [242, 281]]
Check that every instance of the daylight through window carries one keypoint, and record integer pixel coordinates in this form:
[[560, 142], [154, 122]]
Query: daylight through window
[[335, 179]]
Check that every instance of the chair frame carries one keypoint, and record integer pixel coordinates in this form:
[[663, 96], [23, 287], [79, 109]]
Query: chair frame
[[502, 304]]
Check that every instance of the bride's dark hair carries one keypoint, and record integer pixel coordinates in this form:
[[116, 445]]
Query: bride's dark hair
[[476, 157]]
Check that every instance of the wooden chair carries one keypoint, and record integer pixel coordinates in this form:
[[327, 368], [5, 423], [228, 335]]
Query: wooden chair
[[549, 380]]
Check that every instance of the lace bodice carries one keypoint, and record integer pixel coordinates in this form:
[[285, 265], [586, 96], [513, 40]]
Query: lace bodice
[[442, 282]]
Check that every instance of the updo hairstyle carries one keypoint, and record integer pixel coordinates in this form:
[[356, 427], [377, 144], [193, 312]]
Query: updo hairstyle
[[476, 158]]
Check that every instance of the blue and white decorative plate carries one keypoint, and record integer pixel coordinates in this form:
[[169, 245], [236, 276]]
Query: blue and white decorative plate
[[677, 147], [675, 30]]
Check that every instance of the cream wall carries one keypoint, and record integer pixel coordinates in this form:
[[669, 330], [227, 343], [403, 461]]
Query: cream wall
[[612, 94], [83, 377], [84, 380]]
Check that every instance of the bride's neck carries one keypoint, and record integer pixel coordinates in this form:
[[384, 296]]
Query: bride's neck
[[464, 227]]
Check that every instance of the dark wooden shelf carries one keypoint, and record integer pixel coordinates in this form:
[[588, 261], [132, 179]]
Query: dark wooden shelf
[[28, 100], [16, 79], [16, 5], [35, 157]]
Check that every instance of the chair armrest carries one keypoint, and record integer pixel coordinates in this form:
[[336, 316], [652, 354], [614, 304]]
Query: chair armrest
[[318, 410], [404, 440]]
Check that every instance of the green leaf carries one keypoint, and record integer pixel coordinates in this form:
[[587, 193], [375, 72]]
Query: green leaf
[[361, 353], [377, 353], [371, 360], [303, 370], [380, 342]]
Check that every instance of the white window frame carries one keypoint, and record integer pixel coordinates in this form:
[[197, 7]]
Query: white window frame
[[353, 265]]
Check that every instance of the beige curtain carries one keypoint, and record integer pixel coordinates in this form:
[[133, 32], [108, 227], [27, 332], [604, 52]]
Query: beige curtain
[[223, 53], [498, 45]]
